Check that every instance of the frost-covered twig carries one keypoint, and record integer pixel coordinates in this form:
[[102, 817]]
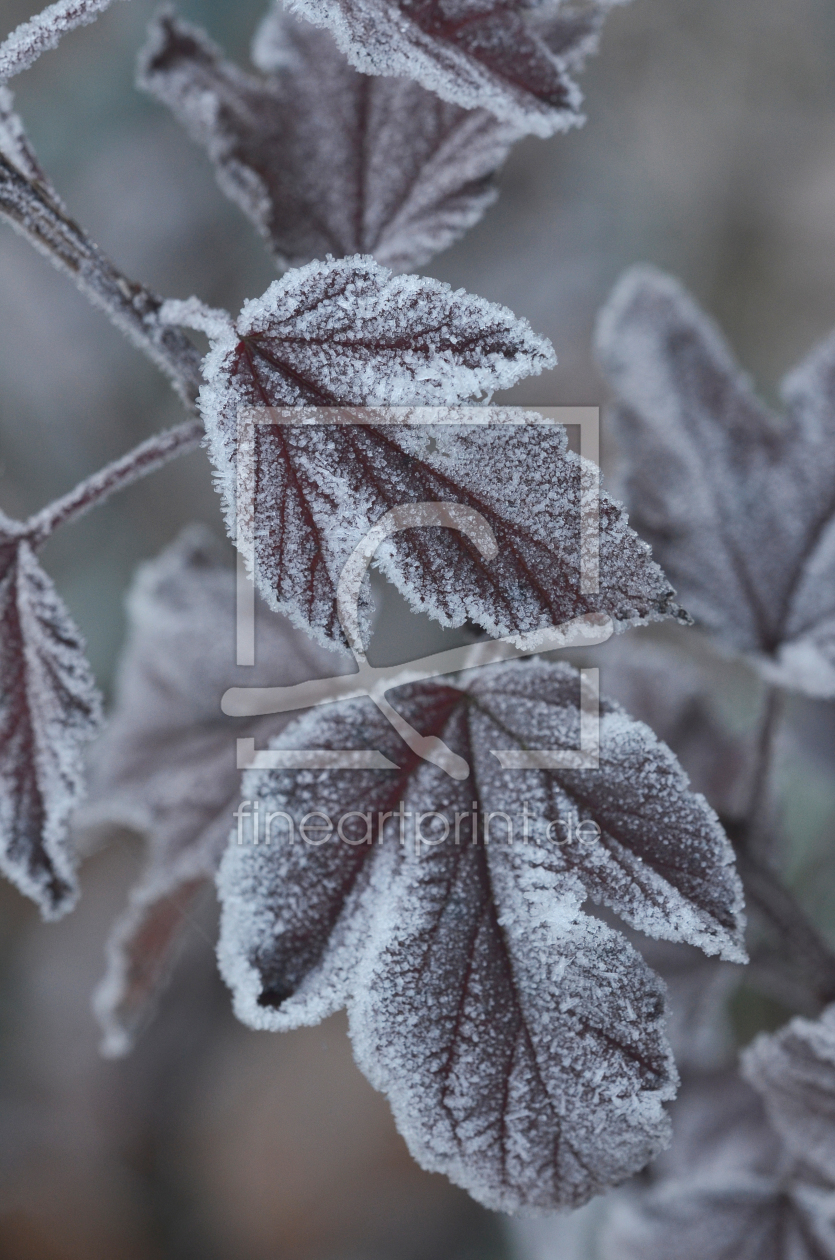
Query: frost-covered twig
[[143, 459], [14, 143], [44, 31], [36, 213]]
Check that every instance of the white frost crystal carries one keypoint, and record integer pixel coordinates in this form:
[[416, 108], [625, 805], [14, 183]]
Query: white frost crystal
[[519, 1039], [44, 31], [49, 710], [349, 333]]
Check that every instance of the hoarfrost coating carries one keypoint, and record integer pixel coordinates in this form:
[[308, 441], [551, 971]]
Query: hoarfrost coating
[[26, 43], [322, 159], [349, 333], [49, 710], [734, 475], [512, 60], [444, 957], [166, 766]]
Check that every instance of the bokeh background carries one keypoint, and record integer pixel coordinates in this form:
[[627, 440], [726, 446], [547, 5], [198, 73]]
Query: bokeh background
[[710, 151]]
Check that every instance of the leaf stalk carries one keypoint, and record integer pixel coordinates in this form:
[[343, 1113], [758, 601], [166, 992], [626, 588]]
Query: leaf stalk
[[145, 458], [34, 210]]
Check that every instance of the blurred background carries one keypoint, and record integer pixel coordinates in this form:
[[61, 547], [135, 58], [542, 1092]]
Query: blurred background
[[710, 151]]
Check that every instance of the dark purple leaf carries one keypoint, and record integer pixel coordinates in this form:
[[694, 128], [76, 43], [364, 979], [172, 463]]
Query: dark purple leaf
[[739, 506], [510, 57], [49, 710], [350, 333], [517, 1038], [166, 766], [322, 159]]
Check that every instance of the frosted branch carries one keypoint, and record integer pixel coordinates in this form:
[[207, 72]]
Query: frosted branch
[[44, 31], [14, 143], [34, 211], [143, 459]]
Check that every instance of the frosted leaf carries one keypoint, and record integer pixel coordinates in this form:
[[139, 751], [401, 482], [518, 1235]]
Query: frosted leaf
[[668, 689], [349, 332], [711, 474], [44, 31], [748, 1219], [724, 1189], [519, 1041], [661, 860], [49, 709], [512, 59], [698, 993], [517, 1038], [322, 159], [346, 331], [794, 1071], [166, 766]]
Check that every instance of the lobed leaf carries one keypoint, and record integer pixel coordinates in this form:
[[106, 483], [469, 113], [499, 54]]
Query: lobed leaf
[[510, 58], [518, 1039], [322, 159], [49, 710], [166, 766], [739, 507], [794, 1072], [725, 1189], [349, 333], [668, 687]]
